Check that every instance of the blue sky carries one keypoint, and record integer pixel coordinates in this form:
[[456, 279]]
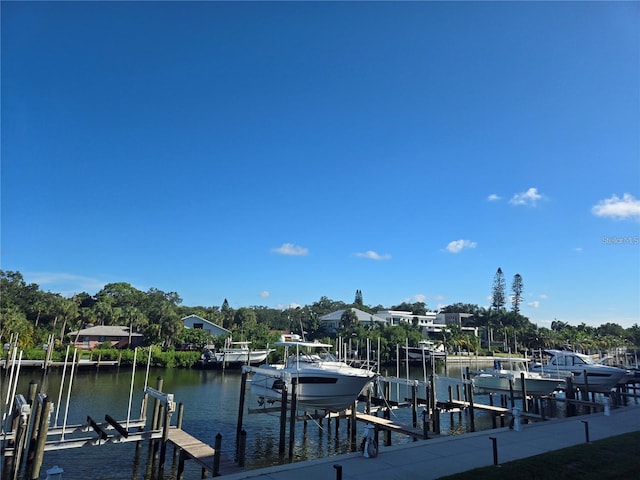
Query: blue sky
[[275, 153]]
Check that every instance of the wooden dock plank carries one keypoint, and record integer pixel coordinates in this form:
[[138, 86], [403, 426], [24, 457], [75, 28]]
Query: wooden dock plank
[[385, 424], [478, 406], [200, 452]]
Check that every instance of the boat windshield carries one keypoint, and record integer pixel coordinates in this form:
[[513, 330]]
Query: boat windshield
[[585, 359], [573, 359]]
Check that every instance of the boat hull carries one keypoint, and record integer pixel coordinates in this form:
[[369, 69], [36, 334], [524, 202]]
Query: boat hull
[[599, 378], [538, 386], [315, 389], [232, 359]]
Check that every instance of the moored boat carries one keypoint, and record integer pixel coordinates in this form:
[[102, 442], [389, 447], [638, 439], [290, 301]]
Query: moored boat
[[234, 354], [599, 378], [322, 381], [509, 373], [426, 349]]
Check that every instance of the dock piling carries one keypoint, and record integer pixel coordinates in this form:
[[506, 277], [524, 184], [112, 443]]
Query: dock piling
[[586, 431], [216, 458], [494, 441], [292, 418], [242, 453]]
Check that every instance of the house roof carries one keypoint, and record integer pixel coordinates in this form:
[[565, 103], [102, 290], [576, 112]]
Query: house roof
[[203, 320], [362, 316], [105, 331]]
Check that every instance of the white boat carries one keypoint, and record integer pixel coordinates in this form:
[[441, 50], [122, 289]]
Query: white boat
[[511, 371], [322, 381], [600, 378], [426, 349], [234, 354]]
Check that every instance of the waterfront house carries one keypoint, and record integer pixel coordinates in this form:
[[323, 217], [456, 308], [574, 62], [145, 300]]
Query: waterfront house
[[194, 321], [332, 321], [91, 337], [429, 323]]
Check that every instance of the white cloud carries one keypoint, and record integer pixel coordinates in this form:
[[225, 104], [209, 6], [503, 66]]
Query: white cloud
[[66, 284], [578, 250], [458, 245], [494, 198], [291, 249], [370, 254], [618, 208], [264, 294], [291, 306], [530, 197], [543, 296], [418, 297], [534, 304]]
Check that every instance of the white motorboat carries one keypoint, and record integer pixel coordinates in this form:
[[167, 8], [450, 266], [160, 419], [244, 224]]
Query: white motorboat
[[322, 381], [234, 354], [507, 374], [426, 349], [599, 378]]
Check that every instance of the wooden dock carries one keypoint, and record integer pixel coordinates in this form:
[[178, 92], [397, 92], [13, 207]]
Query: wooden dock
[[203, 454], [42, 363], [384, 424]]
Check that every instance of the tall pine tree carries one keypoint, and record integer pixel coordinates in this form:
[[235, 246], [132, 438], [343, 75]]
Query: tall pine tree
[[358, 299], [497, 297], [517, 286]]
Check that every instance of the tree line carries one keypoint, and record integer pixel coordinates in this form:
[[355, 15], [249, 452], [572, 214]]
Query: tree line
[[34, 315]]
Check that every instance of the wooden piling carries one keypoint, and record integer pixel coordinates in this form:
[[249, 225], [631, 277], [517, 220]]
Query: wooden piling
[[283, 420], [585, 392], [292, 418], [242, 449], [243, 389], [216, 458], [156, 406], [353, 426], [570, 394], [472, 417], [436, 419], [414, 405], [180, 415], [387, 433], [525, 404], [493, 417], [34, 422], [512, 397], [41, 439], [165, 436], [19, 440]]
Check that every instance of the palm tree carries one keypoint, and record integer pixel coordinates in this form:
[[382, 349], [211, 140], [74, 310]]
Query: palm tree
[[68, 311]]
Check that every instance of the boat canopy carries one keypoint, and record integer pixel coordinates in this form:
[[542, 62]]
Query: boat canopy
[[294, 340]]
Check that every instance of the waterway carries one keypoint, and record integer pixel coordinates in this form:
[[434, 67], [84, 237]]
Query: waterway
[[210, 400]]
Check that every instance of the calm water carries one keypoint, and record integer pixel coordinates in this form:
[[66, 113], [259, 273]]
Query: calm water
[[210, 400]]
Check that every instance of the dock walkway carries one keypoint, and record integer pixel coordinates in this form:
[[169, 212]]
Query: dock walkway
[[448, 455]]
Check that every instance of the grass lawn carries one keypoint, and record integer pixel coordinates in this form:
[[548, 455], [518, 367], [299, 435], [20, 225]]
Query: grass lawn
[[611, 458]]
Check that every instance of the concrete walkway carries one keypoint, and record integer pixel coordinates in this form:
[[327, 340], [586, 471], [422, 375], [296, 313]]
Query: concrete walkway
[[435, 458]]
